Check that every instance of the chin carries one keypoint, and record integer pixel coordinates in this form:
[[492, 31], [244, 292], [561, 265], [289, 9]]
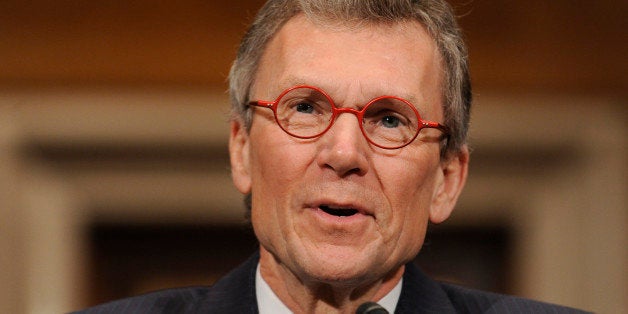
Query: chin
[[338, 277], [340, 268]]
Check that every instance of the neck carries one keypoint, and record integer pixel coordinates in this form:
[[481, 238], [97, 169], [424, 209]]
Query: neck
[[304, 295]]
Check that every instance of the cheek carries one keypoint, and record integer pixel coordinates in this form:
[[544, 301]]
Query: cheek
[[410, 180], [409, 187], [277, 163], [410, 214], [277, 174]]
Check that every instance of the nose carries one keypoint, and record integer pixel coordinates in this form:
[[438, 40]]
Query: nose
[[344, 148]]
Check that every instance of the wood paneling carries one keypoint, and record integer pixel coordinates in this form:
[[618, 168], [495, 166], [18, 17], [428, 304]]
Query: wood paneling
[[120, 42], [559, 45], [533, 45]]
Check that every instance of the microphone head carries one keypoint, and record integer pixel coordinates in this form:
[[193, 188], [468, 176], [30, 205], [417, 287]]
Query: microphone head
[[370, 308]]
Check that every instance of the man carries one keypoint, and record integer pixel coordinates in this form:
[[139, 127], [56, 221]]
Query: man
[[348, 136]]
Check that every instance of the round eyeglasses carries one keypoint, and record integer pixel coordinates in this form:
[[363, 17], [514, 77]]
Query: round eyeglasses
[[307, 112]]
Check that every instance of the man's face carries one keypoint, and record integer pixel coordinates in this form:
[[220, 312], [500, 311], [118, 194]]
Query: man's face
[[337, 209]]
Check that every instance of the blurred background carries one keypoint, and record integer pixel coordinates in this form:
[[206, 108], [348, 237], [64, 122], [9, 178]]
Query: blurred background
[[114, 175]]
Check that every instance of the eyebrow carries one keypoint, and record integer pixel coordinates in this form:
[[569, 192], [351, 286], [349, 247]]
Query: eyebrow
[[292, 80]]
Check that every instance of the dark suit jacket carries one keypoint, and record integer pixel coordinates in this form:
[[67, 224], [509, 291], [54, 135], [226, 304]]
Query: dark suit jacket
[[235, 293]]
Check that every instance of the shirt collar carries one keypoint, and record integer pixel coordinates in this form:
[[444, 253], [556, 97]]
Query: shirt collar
[[269, 303]]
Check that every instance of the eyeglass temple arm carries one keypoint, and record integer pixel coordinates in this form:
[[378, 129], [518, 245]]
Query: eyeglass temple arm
[[436, 125], [261, 103]]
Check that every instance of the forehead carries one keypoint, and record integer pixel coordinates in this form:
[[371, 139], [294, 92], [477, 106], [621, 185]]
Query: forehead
[[397, 59]]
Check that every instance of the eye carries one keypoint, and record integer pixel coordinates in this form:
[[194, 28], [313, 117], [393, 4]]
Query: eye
[[390, 122], [304, 107]]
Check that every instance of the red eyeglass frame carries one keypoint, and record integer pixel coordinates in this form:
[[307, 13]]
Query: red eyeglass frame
[[358, 113]]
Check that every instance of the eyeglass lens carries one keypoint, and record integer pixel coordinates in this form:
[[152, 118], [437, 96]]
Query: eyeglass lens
[[306, 112]]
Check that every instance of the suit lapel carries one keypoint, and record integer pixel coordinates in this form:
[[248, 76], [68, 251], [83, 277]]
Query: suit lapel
[[234, 293], [420, 294]]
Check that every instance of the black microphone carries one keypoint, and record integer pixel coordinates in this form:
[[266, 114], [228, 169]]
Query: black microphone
[[370, 308]]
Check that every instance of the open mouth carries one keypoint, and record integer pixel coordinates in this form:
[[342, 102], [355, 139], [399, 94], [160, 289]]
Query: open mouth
[[340, 212]]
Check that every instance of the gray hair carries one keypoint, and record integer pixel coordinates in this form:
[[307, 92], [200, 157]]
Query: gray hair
[[435, 15]]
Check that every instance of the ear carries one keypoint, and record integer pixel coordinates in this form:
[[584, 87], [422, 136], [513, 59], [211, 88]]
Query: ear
[[239, 155], [451, 179]]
